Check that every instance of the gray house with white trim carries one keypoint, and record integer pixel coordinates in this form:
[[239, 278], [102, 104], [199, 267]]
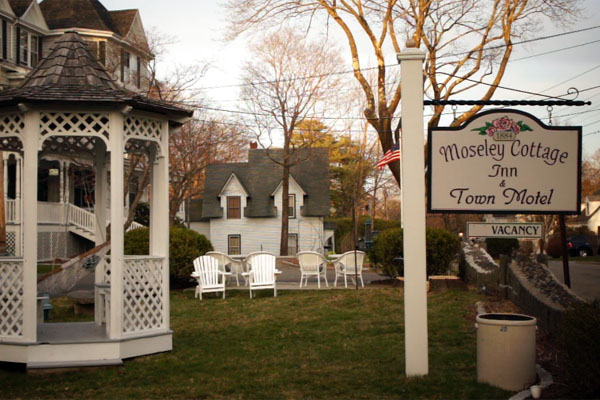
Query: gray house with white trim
[[241, 205]]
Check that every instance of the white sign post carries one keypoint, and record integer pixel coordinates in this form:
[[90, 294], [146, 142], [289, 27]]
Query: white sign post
[[413, 202], [505, 161]]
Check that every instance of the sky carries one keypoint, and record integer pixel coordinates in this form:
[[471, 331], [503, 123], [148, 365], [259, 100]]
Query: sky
[[199, 26]]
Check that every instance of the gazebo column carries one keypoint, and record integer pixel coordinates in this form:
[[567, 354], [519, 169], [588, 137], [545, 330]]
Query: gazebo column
[[61, 182], [30, 251], [159, 214], [116, 148], [100, 193]]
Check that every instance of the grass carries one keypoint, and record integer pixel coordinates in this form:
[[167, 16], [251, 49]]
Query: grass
[[43, 269], [309, 344]]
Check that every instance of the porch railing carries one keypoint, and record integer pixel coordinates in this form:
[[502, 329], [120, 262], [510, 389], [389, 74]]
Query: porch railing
[[81, 218], [12, 215]]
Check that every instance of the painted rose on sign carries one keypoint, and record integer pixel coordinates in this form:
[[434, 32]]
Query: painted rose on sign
[[503, 124]]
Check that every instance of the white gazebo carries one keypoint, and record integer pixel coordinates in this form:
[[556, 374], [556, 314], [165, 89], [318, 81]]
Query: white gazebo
[[69, 106]]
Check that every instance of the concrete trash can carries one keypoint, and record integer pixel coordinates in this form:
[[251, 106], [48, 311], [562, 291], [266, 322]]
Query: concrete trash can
[[506, 350]]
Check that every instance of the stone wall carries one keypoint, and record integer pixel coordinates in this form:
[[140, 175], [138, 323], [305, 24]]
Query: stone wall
[[527, 283]]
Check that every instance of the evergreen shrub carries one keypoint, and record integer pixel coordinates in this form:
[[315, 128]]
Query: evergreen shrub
[[442, 247], [497, 247], [184, 246]]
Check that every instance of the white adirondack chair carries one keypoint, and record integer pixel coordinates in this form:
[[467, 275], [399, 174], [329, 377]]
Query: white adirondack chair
[[261, 272], [312, 264], [345, 265], [226, 262], [209, 276]]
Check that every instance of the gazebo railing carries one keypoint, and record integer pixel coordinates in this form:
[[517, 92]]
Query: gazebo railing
[[11, 298], [144, 309]]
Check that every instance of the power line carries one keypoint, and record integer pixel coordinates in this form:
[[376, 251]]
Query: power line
[[554, 51], [389, 65]]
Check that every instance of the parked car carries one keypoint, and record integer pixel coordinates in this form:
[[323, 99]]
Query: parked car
[[579, 247]]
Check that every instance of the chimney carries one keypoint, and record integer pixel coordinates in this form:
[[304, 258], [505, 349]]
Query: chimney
[[253, 145]]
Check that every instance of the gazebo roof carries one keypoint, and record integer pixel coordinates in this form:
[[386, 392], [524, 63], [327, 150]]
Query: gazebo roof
[[71, 74]]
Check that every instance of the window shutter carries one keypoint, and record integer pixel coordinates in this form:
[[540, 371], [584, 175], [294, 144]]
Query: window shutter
[[4, 40], [122, 65], [139, 72], [93, 48], [102, 52], [18, 45]]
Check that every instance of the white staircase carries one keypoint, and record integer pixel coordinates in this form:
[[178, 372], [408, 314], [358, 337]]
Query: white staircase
[[78, 220], [83, 222]]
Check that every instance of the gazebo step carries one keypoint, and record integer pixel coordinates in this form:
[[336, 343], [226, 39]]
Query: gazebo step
[[74, 364]]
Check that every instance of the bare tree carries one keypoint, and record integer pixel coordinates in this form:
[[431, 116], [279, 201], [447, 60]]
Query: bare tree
[[174, 88], [281, 101], [468, 42], [198, 143]]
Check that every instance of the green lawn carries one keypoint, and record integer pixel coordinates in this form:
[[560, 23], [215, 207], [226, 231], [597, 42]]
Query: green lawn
[[309, 344]]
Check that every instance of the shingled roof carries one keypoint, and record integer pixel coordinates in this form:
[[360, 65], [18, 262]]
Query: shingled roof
[[71, 74], [89, 14], [260, 176]]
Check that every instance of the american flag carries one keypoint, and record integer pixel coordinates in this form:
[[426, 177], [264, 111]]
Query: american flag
[[392, 154]]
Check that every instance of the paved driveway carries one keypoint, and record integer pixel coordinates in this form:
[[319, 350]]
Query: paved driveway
[[585, 277]]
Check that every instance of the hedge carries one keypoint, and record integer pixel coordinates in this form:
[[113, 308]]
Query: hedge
[[184, 246], [442, 247]]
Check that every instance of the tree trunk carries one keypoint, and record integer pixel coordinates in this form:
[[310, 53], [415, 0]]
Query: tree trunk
[[285, 204]]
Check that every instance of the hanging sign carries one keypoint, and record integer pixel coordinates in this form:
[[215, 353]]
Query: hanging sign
[[516, 230], [504, 161]]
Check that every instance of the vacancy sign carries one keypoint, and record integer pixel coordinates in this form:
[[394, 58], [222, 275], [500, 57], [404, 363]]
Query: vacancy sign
[[505, 161], [533, 230]]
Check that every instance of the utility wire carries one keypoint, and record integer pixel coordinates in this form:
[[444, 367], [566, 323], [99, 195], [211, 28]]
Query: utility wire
[[554, 51], [390, 65]]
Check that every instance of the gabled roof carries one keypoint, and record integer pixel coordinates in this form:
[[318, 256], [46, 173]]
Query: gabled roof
[[71, 74], [122, 20], [88, 14], [232, 177], [260, 176], [20, 6]]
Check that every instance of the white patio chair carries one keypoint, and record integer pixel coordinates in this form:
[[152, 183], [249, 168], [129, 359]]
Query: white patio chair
[[312, 264], [209, 276], [227, 263], [345, 266], [261, 272]]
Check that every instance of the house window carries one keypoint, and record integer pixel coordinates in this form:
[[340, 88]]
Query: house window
[[292, 243], [23, 47], [234, 244], [124, 66], [34, 46], [234, 207], [292, 206]]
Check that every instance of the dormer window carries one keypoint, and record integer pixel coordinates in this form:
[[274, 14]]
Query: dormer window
[[34, 56], [292, 206], [23, 47], [27, 48], [234, 207], [125, 56]]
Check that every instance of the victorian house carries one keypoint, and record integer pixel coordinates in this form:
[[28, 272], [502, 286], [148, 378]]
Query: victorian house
[[66, 183]]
